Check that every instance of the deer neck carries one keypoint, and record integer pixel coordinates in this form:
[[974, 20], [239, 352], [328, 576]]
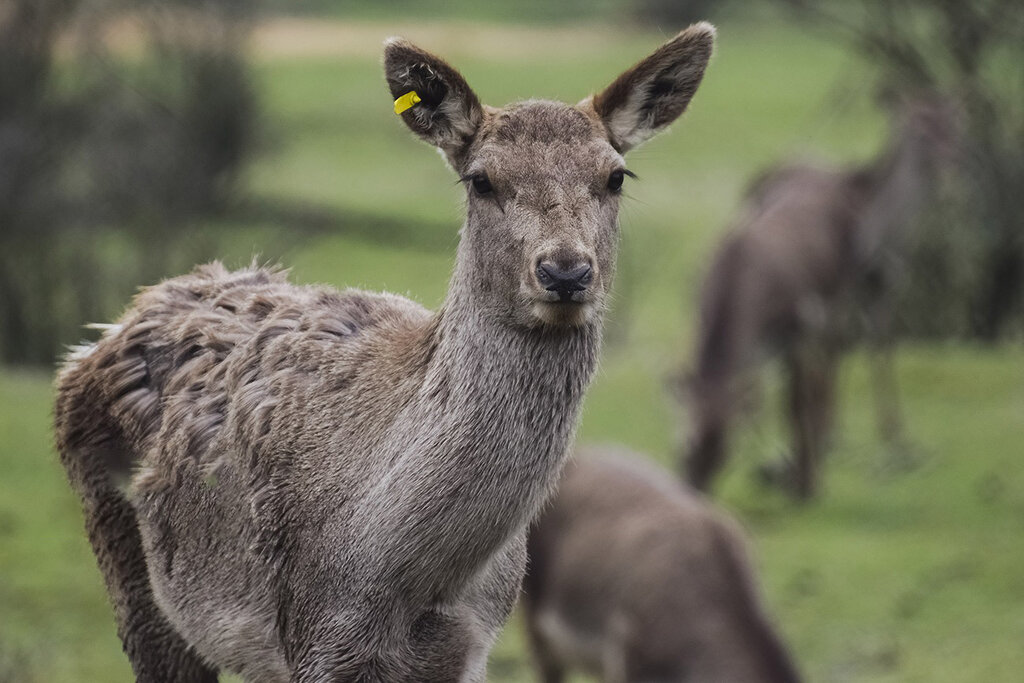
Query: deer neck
[[902, 181], [528, 382], [507, 399], [479, 448]]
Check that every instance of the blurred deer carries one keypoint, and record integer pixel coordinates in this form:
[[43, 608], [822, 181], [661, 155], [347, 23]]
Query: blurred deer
[[299, 484], [809, 243], [633, 576]]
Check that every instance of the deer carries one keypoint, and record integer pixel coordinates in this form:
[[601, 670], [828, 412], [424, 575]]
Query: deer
[[295, 483], [812, 247], [635, 576]]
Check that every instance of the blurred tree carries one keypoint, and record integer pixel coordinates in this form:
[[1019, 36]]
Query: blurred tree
[[35, 127], [965, 268], [104, 164]]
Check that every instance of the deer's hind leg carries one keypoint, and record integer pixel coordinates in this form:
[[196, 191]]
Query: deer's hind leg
[[158, 654], [811, 409]]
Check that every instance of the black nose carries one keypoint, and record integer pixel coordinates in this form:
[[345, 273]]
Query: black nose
[[565, 282]]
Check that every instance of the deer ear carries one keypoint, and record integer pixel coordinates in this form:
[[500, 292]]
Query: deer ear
[[646, 98], [447, 113]]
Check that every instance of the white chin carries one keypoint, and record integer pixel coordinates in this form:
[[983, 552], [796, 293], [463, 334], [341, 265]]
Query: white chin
[[562, 314]]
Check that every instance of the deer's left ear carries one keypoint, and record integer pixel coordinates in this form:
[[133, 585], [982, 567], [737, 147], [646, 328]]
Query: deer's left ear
[[645, 99], [446, 112]]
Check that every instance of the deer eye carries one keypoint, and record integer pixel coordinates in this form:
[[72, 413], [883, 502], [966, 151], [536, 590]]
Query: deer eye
[[481, 184], [615, 180]]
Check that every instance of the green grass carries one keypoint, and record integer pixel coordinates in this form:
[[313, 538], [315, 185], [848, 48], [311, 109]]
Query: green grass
[[892, 576]]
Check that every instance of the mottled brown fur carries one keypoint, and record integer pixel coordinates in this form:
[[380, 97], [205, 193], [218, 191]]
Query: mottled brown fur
[[298, 484], [787, 281], [634, 577]]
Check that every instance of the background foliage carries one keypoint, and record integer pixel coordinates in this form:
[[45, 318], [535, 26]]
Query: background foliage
[[106, 163], [967, 262]]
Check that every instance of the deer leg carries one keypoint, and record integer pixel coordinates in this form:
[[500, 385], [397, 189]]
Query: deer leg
[[547, 664], [158, 654], [889, 414], [887, 399], [812, 406], [900, 455], [549, 668], [823, 393], [802, 428]]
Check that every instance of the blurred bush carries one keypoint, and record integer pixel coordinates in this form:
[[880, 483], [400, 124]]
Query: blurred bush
[[964, 269], [105, 164]]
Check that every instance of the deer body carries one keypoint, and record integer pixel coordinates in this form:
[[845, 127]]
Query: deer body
[[260, 406], [784, 283], [298, 484], [634, 577]]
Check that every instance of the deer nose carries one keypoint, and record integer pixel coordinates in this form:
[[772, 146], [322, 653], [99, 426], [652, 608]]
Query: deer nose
[[565, 282]]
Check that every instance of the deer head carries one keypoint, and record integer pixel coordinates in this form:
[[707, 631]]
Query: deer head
[[544, 179]]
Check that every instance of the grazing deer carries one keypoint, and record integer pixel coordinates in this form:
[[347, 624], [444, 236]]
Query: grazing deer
[[298, 484], [786, 280], [633, 576]]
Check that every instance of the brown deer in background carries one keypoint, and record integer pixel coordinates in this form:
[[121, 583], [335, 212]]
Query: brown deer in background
[[298, 484], [787, 279], [633, 576]]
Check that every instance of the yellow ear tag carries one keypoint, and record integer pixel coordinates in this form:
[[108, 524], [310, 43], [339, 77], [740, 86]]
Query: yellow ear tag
[[407, 101]]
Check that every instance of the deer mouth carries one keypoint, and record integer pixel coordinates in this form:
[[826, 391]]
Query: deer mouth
[[563, 298], [568, 311]]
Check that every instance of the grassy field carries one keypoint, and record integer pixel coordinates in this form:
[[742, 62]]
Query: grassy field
[[896, 574]]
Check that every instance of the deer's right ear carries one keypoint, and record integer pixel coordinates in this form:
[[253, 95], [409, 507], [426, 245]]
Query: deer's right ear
[[448, 113]]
